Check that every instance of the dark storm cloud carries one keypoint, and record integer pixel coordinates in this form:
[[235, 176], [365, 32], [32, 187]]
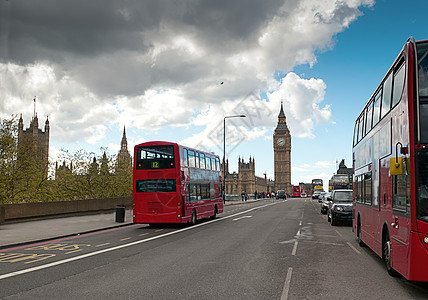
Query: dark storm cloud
[[50, 29]]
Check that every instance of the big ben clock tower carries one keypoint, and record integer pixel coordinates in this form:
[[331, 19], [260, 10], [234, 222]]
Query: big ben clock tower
[[282, 154]]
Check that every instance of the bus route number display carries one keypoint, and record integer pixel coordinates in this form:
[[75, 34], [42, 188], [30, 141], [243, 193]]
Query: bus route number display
[[155, 165]]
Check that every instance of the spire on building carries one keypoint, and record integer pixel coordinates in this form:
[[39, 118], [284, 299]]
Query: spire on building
[[124, 143], [124, 158], [281, 112]]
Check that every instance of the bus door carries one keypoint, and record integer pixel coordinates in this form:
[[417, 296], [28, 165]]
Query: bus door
[[401, 223]]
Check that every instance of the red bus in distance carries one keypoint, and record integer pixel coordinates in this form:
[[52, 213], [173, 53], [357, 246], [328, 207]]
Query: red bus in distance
[[390, 162], [175, 184], [296, 191]]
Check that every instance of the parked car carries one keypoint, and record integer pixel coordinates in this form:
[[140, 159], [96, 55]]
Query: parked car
[[303, 195], [340, 206], [281, 194], [325, 202]]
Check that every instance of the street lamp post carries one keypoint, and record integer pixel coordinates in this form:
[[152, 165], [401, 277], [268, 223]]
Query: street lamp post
[[224, 152]]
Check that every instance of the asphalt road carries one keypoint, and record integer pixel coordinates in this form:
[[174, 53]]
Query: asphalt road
[[271, 249]]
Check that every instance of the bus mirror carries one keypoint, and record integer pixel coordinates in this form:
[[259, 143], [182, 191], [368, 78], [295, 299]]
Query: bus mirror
[[396, 165]]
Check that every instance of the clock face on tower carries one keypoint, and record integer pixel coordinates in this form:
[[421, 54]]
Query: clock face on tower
[[281, 142]]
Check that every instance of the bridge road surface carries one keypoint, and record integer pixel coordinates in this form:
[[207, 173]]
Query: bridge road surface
[[271, 249]]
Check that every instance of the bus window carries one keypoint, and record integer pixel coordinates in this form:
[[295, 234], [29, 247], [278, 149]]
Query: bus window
[[386, 95], [155, 157], [398, 85], [217, 164], [197, 159], [376, 109], [361, 128], [423, 69], [356, 133], [192, 159], [202, 160], [422, 185], [369, 118], [368, 188], [185, 158], [213, 167], [208, 163]]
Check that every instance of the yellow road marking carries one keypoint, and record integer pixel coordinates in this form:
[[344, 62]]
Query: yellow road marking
[[158, 230], [128, 238], [143, 234], [73, 251], [102, 244]]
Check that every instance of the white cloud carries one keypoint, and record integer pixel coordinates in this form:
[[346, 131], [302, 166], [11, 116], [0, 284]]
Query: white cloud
[[302, 99], [162, 67]]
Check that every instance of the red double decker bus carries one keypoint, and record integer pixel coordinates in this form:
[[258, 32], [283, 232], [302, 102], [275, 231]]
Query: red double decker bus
[[390, 160], [296, 191], [175, 184]]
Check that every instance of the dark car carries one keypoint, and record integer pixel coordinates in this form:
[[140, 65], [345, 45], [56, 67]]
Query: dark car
[[340, 206], [281, 195], [325, 202]]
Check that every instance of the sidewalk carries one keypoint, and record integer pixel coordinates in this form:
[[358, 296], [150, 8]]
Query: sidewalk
[[15, 234]]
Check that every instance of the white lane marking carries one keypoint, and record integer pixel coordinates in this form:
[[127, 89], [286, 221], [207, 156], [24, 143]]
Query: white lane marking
[[338, 233], [293, 252], [298, 232], [243, 217], [300, 223], [286, 289], [353, 248], [71, 259]]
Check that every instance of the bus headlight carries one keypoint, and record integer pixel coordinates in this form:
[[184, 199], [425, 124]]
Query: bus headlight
[[426, 240]]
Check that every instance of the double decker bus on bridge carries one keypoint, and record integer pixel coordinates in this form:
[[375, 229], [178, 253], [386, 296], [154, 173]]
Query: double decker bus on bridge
[[390, 160], [175, 184]]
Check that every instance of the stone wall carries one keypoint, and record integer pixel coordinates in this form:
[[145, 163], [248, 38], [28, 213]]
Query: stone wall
[[16, 212]]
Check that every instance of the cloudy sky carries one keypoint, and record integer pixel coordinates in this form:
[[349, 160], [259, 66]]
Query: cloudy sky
[[171, 70]]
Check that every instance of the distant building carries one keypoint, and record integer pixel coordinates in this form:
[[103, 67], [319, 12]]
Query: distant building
[[33, 145], [124, 159], [245, 180]]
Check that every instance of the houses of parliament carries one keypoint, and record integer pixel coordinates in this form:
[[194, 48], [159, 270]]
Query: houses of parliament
[[245, 180], [33, 148]]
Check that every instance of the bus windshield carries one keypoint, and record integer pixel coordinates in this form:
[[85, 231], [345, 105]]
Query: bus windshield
[[422, 49], [422, 185], [155, 157]]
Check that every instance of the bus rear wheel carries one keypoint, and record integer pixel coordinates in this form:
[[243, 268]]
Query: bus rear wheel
[[386, 255], [193, 217], [359, 240], [215, 213]]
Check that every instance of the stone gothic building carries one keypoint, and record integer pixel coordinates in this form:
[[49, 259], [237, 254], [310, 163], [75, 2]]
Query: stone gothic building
[[245, 180], [124, 159], [282, 154], [33, 145]]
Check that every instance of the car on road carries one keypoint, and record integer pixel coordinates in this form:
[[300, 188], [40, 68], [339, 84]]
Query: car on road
[[340, 207], [325, 202], [321, 196], [281, 194]]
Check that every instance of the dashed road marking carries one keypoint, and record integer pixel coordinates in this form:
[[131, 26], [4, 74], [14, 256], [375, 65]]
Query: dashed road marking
[[286, 289]]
